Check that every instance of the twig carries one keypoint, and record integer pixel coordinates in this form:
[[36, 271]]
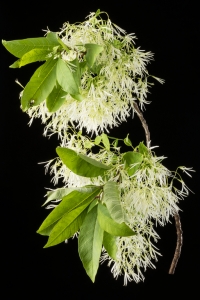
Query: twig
[[179, 244], [144, 123], [179, 231]]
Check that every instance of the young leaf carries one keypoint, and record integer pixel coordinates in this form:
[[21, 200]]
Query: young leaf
[[111, 198], [115, 143], [67, 226], [90, 243], [142, 148], [127, 141], [80, 164], [93, 51], [56, 98], [97, 140], [130, 158], [110, 226], [30, 57], [105, 141], [70, 202], [19, 47], [109, 243], [65, 78], [40, 85], [63, 44]]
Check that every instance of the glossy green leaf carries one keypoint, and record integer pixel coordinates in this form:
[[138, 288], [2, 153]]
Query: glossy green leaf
[[19, 47], [111, 198], [40, 85], [110, 226], [80, 164], [132, 161], [68, 203], [110, 244], [90, 243], [143, 149], [67, 226], [48, 229], [56, 98], [30, 57], [93, 51], [65, 78], [97, 140], [127, 141], [105, 141]]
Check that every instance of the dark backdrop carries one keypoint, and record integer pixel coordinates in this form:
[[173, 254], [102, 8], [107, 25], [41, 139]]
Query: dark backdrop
[[170, 29]]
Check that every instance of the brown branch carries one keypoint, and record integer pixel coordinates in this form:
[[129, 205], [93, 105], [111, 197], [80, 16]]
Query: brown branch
[[179, 231], [144, 123], [179, 244]]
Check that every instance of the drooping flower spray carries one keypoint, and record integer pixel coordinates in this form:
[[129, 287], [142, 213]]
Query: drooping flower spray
[[92, 79]]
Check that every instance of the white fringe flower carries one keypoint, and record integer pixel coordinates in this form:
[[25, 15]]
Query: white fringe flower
[[148, 197], [109, 91]]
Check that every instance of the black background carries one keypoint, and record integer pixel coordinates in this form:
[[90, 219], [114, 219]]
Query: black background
[[170, 29]]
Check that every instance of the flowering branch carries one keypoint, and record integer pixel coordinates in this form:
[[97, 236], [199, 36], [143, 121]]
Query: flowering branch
[[179, 231], [110, 200]]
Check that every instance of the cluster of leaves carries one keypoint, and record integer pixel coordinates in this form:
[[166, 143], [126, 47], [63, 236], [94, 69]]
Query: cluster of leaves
[[55, 78]]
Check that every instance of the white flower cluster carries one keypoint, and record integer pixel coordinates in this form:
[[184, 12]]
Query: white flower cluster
[[118, 78], [148, 197]]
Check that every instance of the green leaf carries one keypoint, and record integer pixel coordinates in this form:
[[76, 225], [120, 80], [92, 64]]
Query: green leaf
[[143, 149], [48, 230], [90, 243], [110, 226], [56, 98], [30, 57], [94, 202], [40, 85], [52, 37], [67, 226], [97, 140], [63, 45], [109, 243], [77, 71], [88, 144], [131, 158], [97, 12], [19, 47], [115, 143], [65, 78], [78, 97], [80, 164], [127, 141], [111, 198], [58, 194], [70, 202], [93, 51], [105, 141]]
